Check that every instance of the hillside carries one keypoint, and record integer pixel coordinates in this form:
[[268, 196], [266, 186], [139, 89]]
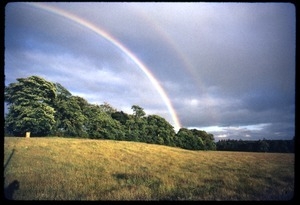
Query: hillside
[[53, 168]]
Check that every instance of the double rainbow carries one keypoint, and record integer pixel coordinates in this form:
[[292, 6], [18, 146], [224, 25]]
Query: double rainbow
[[119, 45]]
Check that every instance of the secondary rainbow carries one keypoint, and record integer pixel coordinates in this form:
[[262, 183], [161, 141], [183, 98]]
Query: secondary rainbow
[[119, 45], [151, 22]]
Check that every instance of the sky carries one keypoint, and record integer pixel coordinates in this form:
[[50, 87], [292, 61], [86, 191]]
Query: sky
[[226, 68]]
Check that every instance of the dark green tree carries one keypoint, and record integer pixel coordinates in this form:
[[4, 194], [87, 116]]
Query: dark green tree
[[263, 146], [135, 129], [107, 108], [135, 125], [109, 128], [120, 116], [187, 139], [30, 104], [62, 92], [138, 111], [159, 131], [206, 138], [69, 117], [194, 139], [69, 114], [91, 125], [100, 125]]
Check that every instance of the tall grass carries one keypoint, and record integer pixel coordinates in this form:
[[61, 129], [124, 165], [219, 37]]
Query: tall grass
[[82, 169]]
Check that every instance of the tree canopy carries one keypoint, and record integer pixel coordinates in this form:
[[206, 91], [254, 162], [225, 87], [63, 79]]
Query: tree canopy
[[46, 108], [31, 106]]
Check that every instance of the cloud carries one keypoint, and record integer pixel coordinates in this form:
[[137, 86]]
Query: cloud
[[225, 66], [251, 132]]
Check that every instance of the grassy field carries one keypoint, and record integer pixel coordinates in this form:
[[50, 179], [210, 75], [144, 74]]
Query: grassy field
[[55, 168]]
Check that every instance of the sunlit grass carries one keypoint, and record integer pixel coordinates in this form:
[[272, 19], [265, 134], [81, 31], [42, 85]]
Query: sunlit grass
[[82, 169]]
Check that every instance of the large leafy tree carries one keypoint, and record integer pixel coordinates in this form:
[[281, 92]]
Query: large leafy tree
[[135, 124], [110, 128], [206, 138], [138, 111], [135, 129], [69, 116], [159, 131], [30, 104], [100, 125], [120, 116], [188, 139], [107, 108]]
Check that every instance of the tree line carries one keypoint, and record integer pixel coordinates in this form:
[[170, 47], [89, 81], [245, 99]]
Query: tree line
[[283, 146], [48, 109]]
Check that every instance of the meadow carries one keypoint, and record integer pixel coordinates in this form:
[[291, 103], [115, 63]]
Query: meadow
[[53, 168]]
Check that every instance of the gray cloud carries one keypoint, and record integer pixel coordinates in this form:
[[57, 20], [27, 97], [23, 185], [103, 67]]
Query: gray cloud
[[223, 65]]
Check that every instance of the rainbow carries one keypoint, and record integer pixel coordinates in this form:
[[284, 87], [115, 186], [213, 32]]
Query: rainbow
[[186, 62], [169, 40], [120, 46]]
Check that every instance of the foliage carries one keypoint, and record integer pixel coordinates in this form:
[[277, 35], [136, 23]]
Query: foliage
[[285, 146], [159, 131], [28, 90], [45, 108], [107, 108], [107, 128], [120, 116], [195, 139], [69, 116], [30, 102], [138, 112], [100, 125], [135, 129]]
